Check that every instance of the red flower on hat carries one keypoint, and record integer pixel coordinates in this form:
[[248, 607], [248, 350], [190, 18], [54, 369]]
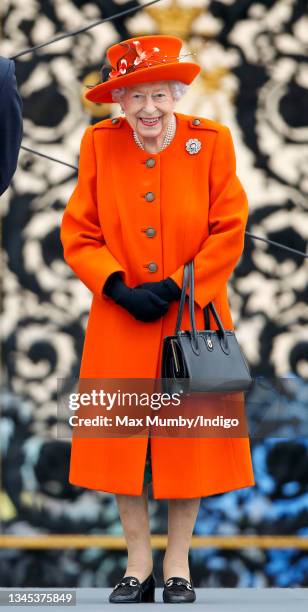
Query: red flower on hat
[[139, 57], [122, 68]]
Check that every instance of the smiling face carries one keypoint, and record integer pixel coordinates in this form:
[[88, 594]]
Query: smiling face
[[148, 108]]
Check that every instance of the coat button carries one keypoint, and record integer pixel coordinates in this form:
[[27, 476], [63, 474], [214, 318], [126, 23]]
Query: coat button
[[150, 232], [149, 196], [115, 120], [152, 267], [150, 163], [196, 122]]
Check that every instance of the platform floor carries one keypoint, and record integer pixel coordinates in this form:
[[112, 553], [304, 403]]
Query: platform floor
[[208, 600]]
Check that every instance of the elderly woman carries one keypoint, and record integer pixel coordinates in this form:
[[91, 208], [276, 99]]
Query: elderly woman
[[155, 189]]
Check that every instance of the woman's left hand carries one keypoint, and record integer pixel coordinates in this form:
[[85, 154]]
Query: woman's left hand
[[166, 289]]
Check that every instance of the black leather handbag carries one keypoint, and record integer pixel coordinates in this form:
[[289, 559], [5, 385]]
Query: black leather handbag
[[207, 360]]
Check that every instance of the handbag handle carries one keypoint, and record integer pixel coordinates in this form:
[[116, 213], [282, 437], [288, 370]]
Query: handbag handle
[[182, 300], [188, 275]]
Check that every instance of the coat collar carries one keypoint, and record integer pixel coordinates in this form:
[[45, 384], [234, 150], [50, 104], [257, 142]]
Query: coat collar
[[192, 121]]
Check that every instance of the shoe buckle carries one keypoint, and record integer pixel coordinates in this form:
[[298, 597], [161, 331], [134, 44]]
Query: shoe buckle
[[132, 582], [171, 581]]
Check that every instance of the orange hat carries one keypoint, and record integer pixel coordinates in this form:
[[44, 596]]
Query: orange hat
[[140, 60]]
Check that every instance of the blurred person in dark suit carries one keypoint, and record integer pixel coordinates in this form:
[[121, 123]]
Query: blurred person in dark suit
[[11, 130]]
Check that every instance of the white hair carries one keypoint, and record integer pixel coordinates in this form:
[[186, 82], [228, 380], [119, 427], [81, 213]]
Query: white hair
[[178, 89]]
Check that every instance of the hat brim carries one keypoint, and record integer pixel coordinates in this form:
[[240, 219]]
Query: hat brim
[[179, 71]]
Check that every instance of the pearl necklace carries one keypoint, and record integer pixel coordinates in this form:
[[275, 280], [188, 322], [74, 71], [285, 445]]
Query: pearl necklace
[[170, 131]]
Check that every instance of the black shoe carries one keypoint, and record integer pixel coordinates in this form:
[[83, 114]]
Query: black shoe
[[178, 590], [131, 590]]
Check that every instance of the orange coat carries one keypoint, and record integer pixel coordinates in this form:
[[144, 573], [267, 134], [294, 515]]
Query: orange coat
[[199, 211]]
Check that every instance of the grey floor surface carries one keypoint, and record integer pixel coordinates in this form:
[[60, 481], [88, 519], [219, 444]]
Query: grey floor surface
[[208, 600]]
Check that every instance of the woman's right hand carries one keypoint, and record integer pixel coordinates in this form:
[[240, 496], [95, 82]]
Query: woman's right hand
[[142, 304]]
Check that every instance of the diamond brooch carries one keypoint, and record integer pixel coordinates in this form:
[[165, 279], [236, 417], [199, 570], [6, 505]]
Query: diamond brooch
[[193, 145]]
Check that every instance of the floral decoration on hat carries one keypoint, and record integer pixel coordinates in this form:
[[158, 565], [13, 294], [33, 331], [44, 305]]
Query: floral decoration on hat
[[138, 56]]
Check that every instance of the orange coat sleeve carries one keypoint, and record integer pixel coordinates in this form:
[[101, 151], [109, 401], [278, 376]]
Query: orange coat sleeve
[[228, 214], [84, 247]]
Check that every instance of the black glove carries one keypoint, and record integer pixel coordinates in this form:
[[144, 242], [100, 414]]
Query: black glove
[[165, 289], [142, 304]]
